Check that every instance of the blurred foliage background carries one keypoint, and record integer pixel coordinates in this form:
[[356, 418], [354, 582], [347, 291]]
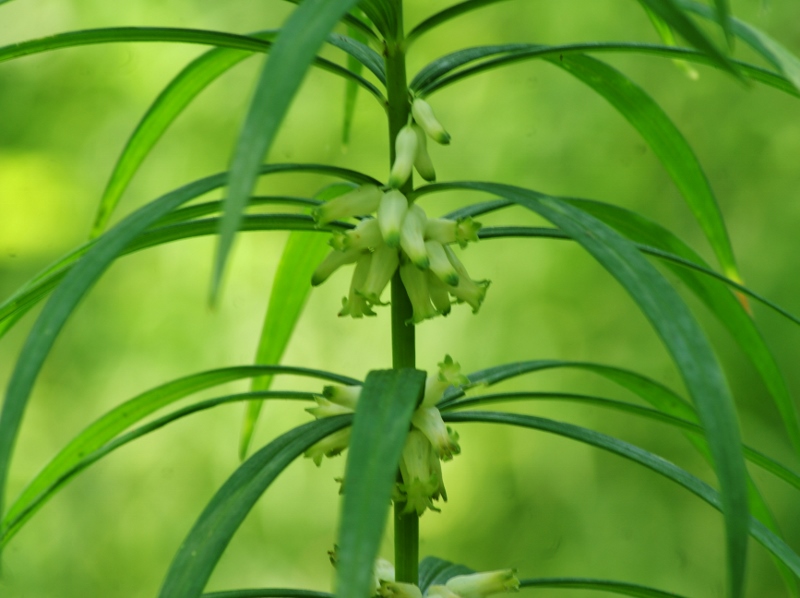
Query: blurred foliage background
[[544, 505]]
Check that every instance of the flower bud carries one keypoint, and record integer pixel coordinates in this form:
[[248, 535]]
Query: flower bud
[[405, 152], [366, 235], [329, 446], [423, 115], [429, 421], [384, 263], [332, 262], [391, 212], [355, 305], [440, 296], [422, 162], [397, 589], [479, 585], [360, 201], [449, 374], [416, 286], [411, 239], [346, 396], [439, 263]]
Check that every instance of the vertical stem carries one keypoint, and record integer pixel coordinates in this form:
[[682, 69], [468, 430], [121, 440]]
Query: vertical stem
[[406, 526]]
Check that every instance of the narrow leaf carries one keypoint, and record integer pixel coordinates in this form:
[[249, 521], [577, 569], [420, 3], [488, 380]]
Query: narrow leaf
[[380, 427], [268, 593], [202, 548], [601, 585], [291, 56]]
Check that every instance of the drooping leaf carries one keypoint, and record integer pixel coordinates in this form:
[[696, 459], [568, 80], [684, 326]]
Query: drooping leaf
[[444, 16], [292, 54], [380, 427], [290, 289], [56, 475], [601, 585], [657, 464], [202, 548], [682, 337]]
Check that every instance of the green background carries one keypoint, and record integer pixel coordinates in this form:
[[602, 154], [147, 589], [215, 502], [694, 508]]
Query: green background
[[547, 506]]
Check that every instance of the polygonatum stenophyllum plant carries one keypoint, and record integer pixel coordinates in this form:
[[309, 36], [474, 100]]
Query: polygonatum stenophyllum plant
[[399, 425]]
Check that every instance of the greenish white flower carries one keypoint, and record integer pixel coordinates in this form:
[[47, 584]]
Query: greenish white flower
[[439, 264], [416, 284], [447, 231], [346, 396], [332, 262], [422, 162], [478, 585], [467, 290], [355, 305], [429, 421], [396, 589], [449, 374], [424, 117], [326, 408], [405, 153], [384, 263], [418, 469], [391, 212], [440, 296], [360, 201], [383, 571], [411, 237], [366, 235], [329, 446]]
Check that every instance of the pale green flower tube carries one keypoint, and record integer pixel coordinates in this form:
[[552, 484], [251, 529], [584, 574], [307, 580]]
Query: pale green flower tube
[[424, 117], [358, 202], [332, 262], [366, 235], [420, 481], [391, 213], [429, 421], [405, 146], [440, 592], [355, 305], [468, 290], [447, 231], [329, 446], [439, 263], [417, 288], [440, 295], [422, 162], [397, 589], [326, 408], [411, 237], [384, 263], [479, 585], [346, 396], [449, 374]]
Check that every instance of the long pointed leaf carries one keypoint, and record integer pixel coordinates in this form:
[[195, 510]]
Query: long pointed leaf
[[291, 56], [380, 426], [601, 585], [268, 593], [682, 337], [202, 548]]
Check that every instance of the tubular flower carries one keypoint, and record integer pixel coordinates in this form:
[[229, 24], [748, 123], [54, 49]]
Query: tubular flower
[[411, 237], [397, 589], [332, 262], [330, 446], [439, 293], [467, 290], [405, 150], [420, 481], [383, 571], [479, 585], [346, 396], [355, 305], [439, 263], [384, 263], [422, 162], [326, 408], [440, 592], [366, 235], [447, 231], [417, 288], [391, 213], [424, 117], [429, 421], [449, 374], [360, 201]]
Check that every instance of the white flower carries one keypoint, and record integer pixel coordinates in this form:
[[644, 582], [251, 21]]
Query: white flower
[[326, 408], [332, 262], [447, 231], [439, 264], [411, 239], [416, 284], [383, 571], [346, 396], [440, 296], [391, 213], [405, 146], [449, 374], [382, 267], [422, 162], [355, 305], [358, 202], [429, 421], [366, 235], [479, 585], [329, 446], [467, 290], [424, 117], [396, 589], [419, 468]]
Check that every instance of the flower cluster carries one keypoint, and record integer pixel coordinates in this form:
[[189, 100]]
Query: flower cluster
[[428, 443], [401, 236], [475, 585]]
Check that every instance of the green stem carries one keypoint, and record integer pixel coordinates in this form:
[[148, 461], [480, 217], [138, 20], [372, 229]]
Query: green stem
[[406, 526]]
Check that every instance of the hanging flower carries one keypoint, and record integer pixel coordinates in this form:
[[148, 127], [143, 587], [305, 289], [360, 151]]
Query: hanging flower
[[362, 200], [424, 117], [405, 151]]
